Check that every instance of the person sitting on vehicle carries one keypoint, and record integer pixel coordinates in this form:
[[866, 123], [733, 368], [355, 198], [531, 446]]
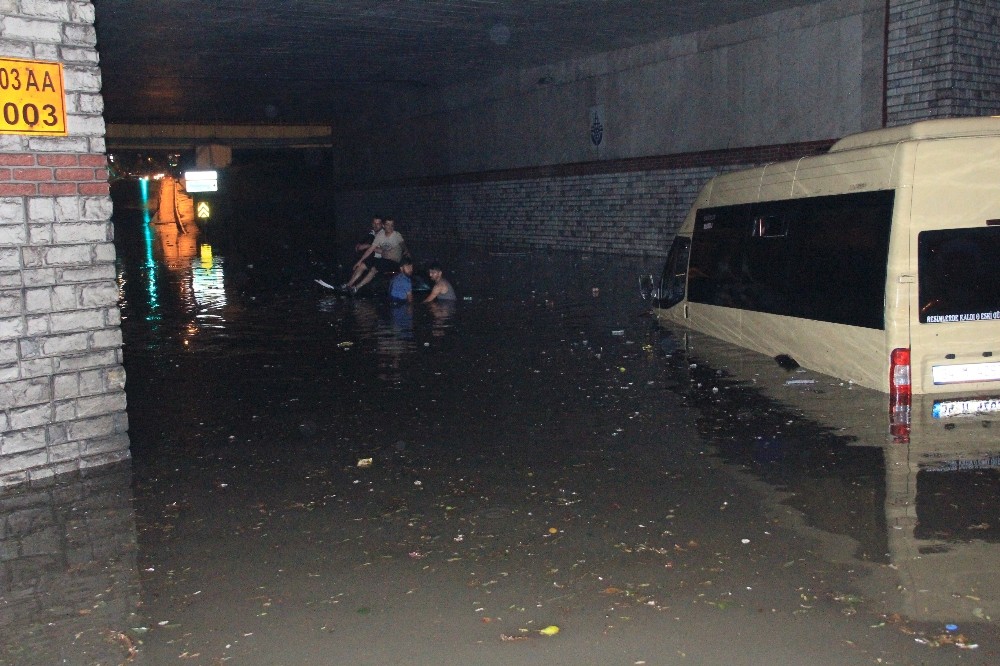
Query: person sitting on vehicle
[[383, 256], [369, 237], [442, 289], [401, 287]]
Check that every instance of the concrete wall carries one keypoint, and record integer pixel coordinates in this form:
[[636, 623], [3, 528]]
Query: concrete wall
[[764, 81], [62, 400], [803, 74]]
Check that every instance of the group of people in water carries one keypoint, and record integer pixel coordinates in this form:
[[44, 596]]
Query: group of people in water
[[383, 251]]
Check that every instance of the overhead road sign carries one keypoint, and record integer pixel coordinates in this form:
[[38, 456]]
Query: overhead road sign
[[32, 97], [201, 181]]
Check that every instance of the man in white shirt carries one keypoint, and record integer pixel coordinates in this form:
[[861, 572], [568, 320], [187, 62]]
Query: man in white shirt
[[382, 256]]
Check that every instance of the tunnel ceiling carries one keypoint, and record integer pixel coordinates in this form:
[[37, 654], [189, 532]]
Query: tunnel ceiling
[[313, 61]]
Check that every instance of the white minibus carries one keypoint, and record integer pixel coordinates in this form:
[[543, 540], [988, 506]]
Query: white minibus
[[877, 262]]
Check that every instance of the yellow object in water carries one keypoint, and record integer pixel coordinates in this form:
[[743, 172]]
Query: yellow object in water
[[550, 630]]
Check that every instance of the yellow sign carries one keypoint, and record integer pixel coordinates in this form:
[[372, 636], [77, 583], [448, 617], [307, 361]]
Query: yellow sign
[[203, 213], [32, 97]]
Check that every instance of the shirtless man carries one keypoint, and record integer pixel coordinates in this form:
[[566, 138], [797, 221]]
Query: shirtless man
[[383, 255], [442, 289]]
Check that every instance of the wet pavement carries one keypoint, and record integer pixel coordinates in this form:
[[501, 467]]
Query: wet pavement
[[324, 480]]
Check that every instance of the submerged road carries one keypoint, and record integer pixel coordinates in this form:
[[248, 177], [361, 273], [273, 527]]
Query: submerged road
[[539, 475]]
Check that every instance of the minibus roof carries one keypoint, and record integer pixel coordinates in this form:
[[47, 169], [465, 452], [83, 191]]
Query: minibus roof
[[927, 129]]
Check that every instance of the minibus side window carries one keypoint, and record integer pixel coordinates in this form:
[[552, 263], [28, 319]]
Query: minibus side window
[[673, 283], [771, 269], [719, 255], [821, 258], [843, 245], [959, 280], [770, 226]]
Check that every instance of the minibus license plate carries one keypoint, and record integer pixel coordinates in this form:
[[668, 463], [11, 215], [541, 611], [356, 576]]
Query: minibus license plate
[[966, 372], [946, 409]]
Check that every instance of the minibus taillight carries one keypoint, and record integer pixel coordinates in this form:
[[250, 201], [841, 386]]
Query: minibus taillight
[[899, 374], [900, 392]]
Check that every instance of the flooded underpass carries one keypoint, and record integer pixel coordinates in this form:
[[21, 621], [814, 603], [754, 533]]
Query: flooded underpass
[[538, 474]]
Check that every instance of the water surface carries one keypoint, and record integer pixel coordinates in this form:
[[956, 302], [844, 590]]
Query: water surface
[[541, 454]]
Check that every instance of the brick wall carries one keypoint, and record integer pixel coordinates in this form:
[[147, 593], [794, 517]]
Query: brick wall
[[630, 207], [976, 63], [629, 213], [943, 59], [62, 400]]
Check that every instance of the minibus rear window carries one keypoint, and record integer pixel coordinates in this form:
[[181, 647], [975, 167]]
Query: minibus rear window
[[959, 276]]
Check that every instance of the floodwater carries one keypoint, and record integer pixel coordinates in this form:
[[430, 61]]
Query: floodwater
[[325, 480]]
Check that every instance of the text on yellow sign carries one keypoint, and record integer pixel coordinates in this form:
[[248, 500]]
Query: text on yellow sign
[[32, 97]]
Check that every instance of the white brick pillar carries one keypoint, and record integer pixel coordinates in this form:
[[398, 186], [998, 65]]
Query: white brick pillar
[[62, 386]]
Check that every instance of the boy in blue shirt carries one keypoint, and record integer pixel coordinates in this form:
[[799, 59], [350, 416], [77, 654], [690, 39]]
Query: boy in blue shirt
[[401, 287]]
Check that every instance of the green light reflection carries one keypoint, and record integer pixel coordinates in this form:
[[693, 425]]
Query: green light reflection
[[150, 265]]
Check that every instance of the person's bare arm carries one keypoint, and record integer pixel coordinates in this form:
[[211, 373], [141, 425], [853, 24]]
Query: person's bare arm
[[435, 292], [371, 248]]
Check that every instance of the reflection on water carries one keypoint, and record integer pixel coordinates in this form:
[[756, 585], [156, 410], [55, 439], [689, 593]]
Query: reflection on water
[[68, 575], [442, 311], [390, 329], [178, 271], [927, 508], [208, 287], [149, 265], [943, 503]]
